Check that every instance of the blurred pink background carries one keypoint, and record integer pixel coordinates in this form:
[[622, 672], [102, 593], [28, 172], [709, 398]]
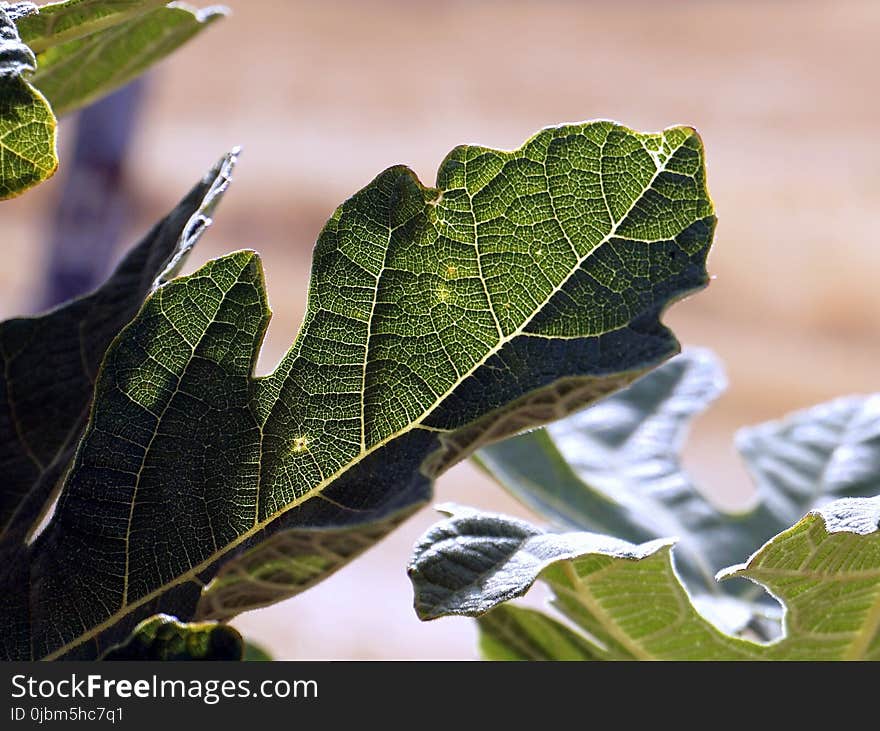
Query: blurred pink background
[[323, 96]]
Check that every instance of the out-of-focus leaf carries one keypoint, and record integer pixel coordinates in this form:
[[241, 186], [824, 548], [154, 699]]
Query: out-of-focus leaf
[[812, 457], [50, 362], [27, 124], [60, 22], [18, 11], [629, 601], [165, 638], [526, 284], [77, 72], [616, 468]]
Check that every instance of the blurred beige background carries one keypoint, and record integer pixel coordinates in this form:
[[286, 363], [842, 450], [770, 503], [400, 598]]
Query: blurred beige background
[[324, 95]]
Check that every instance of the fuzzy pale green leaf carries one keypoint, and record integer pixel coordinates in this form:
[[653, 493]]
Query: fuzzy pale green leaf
[[625, 596], [629, 601], [16, 58], [826, 573], [616, 468]]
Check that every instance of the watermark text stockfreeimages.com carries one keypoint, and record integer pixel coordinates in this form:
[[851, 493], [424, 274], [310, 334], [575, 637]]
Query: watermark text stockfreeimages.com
[[94, 685]]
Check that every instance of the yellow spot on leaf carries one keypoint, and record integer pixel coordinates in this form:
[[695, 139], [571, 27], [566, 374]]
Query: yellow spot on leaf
[[300, 445]]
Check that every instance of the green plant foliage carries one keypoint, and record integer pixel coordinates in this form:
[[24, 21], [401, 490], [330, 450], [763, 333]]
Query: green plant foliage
[[50, 363], [27, 125], [615, 468], [524, 285], [60, 22], [629, 602], [86, 49], [164, 638], [288, 563]]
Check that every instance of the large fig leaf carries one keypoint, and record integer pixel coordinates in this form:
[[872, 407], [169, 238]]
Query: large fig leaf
[[88, 48], [629, 602], [27, 124], [524, 285], [50, 362], [616, 468]]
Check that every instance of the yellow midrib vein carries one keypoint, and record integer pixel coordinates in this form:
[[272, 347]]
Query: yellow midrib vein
[[261, 525]]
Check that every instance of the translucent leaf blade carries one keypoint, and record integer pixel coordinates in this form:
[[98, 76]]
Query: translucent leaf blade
[[407, 361]]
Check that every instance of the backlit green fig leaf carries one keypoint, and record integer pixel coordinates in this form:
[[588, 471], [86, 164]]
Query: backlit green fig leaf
[[524, 285], [288, 563]]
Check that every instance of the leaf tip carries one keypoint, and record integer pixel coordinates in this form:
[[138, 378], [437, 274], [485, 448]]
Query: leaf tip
[[732, 571], [454, 510], [203, 15], [214, 185]]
